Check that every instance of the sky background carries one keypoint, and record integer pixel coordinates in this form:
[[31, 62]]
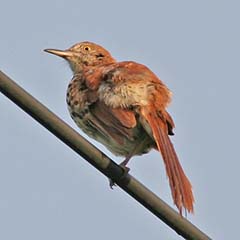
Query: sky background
[[47, 191]]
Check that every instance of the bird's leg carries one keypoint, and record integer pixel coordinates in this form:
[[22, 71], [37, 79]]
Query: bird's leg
[[137, 149], [127, 159], [139, 145]]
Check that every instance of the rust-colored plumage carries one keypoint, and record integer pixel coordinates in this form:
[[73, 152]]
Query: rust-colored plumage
[[123, 105]]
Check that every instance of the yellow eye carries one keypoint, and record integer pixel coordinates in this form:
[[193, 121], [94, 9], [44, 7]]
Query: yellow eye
[[87, 48]]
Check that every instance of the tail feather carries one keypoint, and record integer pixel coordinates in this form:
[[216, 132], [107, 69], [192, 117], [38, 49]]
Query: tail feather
[[180, 185]]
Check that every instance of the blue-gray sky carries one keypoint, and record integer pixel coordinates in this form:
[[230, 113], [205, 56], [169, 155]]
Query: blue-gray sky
[[49, 192]]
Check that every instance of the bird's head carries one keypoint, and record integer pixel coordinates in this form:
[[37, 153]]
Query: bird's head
[[84, 54]]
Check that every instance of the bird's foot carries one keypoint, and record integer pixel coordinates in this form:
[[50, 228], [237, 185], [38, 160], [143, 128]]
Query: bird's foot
[[111, 183], [125, 172]]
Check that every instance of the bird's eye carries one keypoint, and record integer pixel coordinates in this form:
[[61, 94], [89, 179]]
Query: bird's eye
[[86, 48]]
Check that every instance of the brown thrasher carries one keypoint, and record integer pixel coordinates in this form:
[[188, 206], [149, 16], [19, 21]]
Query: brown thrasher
[[123, 106]]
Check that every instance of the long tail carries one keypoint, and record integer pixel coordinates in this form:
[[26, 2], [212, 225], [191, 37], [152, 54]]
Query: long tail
[[180, 185]]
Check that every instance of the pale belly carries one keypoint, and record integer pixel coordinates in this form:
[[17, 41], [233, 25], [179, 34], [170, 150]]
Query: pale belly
[[125, 148], [80, 110]]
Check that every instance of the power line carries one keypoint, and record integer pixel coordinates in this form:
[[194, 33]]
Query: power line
[[99, 160]]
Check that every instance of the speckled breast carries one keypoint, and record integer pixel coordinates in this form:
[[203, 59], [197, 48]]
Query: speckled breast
[[78, 104], [79, 107]]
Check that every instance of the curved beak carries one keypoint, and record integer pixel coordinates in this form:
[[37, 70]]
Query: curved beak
[[60, 53]]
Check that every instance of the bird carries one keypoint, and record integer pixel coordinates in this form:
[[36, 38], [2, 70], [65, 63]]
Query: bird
[[123, 106]]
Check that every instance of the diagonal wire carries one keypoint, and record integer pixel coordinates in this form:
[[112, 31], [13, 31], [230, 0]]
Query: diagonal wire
[[99, 160]]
